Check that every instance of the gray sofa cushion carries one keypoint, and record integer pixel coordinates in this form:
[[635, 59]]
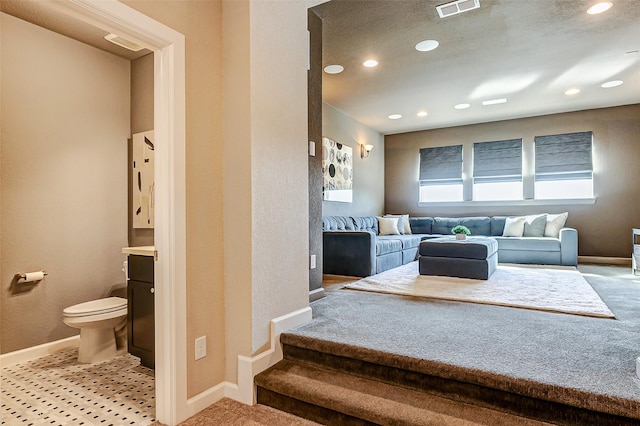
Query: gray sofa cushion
[[366, 223], [387, 244], [497, 225], [528, 243], [337, 223], [421, 225], [477, 225], [388, 261], [409, 241]]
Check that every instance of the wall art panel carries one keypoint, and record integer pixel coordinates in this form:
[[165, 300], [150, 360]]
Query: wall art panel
[[337, 171]]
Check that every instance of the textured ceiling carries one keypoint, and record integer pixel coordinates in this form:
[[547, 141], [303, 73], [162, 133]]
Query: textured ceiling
[[528, 51], [43, 14]]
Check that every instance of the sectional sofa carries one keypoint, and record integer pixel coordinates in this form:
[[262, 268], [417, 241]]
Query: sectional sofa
[[353, 246]]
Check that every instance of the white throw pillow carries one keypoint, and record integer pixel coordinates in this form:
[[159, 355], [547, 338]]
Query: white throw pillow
[[388, 226], [555, 222], [405, 223], [513, 227]]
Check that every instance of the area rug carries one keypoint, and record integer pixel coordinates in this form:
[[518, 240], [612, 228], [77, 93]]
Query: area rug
[[540, 287]]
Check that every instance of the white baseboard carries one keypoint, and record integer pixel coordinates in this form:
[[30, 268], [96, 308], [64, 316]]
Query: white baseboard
[[206, 398], [29, 354], [600, 260], [248, 367]]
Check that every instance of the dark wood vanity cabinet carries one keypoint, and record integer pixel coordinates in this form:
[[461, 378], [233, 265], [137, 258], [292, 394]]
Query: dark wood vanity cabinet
[[140, 312]]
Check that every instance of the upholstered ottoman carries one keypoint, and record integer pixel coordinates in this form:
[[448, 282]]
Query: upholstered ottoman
[[474, 257]]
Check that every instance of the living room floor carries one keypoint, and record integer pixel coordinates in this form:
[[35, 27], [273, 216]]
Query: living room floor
[[595, 356]]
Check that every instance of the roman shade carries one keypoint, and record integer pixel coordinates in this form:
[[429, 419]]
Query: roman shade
[[441, 165], [497, 161], [564, 157]]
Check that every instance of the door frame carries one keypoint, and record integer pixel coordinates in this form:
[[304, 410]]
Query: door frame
[[168, 46]]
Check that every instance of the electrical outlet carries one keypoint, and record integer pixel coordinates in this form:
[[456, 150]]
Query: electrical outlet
[[312, 261], [201, 347]]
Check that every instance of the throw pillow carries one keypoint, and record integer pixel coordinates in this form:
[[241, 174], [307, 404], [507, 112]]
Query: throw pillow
[[555, 222], [513, 227], [400, 222], [388, 226], [405, 227], [534, 225]]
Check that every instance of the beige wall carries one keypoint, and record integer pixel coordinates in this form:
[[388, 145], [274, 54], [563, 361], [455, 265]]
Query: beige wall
[[368, 173], [65, 124], [141, 121], [604, 227], [279, 172], [257, 177], [200, 22], [238, 256], [266, 204]]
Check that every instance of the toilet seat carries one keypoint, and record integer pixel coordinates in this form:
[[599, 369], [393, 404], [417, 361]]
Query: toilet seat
[[96, 307]]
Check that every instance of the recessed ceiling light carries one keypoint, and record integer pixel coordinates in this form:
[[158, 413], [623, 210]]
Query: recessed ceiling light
[[395, 116], [427, 45], [572, 92], [462, 106], [495, 101], [370, 63], [333, 69], [599, 7], [613, 83], [423, 114]]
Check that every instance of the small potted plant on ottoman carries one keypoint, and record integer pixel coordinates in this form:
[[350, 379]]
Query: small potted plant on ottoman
[[460, 232]]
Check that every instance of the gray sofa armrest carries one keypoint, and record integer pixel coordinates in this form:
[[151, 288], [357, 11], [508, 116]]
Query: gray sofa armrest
[[569, 246], [349, 253]]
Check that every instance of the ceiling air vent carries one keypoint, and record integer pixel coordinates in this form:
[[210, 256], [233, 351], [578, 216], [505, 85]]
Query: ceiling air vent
[[456, 7], [123, 42]]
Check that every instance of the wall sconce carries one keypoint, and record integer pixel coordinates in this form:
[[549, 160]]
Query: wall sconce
[[365, 150]]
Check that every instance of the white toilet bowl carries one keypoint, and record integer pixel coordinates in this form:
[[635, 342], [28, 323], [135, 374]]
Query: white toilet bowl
[[97, 321]]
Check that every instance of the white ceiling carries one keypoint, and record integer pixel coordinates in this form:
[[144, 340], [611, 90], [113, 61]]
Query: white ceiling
[[528, 51]]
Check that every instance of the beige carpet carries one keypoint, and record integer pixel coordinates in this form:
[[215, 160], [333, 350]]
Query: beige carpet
[[232, 413], [540, 287]]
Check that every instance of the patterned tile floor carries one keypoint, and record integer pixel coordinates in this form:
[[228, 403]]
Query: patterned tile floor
[[56, 390]]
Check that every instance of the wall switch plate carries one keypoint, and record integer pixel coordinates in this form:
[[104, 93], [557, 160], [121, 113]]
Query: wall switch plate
[[201, 347], [312, 261], [312, 148]]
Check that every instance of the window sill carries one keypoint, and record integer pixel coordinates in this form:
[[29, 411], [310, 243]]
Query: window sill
[[562, 202]]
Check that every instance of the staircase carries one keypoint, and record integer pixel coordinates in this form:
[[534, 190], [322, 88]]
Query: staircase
[[335, 383]]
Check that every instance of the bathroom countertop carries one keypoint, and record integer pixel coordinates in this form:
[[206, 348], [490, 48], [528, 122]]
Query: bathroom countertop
[[140, 251]]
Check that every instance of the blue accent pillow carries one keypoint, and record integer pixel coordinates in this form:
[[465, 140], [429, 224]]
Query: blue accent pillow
[[534, 225]]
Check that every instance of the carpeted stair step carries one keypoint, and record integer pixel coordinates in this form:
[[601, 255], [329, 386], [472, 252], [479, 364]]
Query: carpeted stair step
[[331, 397], [517, 397]]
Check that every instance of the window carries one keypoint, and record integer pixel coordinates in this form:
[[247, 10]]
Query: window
[[563, 166], [441, 174], [497, 170]]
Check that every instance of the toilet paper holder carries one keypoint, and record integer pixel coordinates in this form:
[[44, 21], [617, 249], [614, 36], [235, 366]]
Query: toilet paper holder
[[31, 276]]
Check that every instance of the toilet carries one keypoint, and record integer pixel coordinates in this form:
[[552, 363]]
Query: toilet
[[97, 321]]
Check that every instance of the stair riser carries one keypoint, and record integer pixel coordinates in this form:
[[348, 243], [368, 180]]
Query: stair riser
[[306, 410], [457, 390]]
